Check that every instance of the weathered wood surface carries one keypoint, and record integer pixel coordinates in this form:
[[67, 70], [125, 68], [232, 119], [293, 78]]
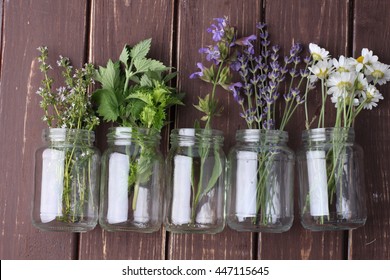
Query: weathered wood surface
[[96, 30], [27, 25], [372, 30]]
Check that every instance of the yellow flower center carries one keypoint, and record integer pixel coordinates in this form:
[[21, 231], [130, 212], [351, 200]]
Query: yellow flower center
[[322, 74], [316, 56], [378, 74], [342, 69], [344, 85], [360, 59]]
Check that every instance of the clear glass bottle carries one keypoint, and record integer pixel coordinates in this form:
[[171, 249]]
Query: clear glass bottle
[[195, 198], [132, 181], [331, 180], [260, 182], [66, 181]]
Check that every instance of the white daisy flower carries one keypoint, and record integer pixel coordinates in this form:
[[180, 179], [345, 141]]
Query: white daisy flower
[[336, 100], [343, 64], [380, 73], [318, 53], [361, 84], [341, 84], [320, 70], [365, 61], [371, 97]]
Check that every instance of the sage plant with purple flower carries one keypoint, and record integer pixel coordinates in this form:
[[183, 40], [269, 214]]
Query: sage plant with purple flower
[[222, 56]]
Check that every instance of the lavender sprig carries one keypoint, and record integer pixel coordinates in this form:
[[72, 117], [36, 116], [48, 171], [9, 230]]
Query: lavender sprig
[[262, 76]]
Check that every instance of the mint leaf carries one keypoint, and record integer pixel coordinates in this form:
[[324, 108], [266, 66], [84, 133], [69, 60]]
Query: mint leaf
[[141, 49], [107, 104]]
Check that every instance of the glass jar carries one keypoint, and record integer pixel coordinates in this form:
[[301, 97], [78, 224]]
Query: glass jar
[[195, 199], [331, 180], [66, 181], [131, 181], [260, 182]]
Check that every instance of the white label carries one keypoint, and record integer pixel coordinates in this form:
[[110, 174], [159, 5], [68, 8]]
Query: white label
[[52, 184], [141, 214], [318, 183], [181, 200], [246, 185], [118, 177]]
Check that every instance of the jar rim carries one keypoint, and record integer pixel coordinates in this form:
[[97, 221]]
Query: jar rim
[[62, 134], [323, 133], [127, 133], [197, 131], [257, 134]]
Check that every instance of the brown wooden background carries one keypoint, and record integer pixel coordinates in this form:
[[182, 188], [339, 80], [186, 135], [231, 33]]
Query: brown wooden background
[[96, 30]]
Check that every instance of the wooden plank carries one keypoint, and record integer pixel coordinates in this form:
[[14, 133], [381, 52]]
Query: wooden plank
[[114, 24], [372, 30], [27, 25], [194, 18], [304, 21]]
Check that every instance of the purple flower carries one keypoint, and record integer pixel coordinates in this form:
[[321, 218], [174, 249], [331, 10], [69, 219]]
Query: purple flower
[[218, 30], [235, 90], [200, 73], [235, 65], [295, 92], [247, 41], [261, 25], [212, 54], [307, 59], [287, 96]]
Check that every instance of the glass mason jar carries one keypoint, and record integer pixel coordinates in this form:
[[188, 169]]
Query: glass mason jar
[[331, 180], [260, 182], [131, 181], [66, 181], [195, 199]]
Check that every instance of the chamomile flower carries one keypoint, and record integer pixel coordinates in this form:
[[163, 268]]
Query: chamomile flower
[[318, 53], [347, 99], [343, 64], [380, 73], [361, 83], [320, 70], [341, 84], [365, 61], [371, 97]]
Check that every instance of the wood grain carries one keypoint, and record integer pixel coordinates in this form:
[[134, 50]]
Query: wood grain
[[324, 23], [96, 30], [372, 30], [26, 25], [193, 20], [114, 24]]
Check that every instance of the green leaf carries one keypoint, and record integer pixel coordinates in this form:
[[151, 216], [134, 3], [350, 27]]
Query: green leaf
[[125, 56], [109, 77], [145, 81], [141, 95], [141, 49], [169, 77], [147, 117], [143, 65], [216, 173], [135, 108], [107, 104]]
